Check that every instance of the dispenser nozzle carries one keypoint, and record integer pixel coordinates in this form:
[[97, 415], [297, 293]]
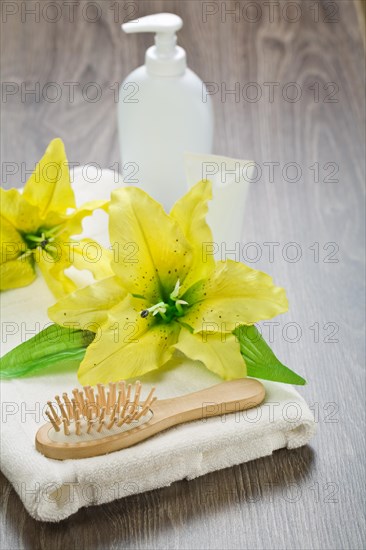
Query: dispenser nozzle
[[158, 23], [165, 26]]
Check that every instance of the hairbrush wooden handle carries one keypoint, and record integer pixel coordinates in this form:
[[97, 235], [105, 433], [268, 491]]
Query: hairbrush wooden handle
[[224, 398]]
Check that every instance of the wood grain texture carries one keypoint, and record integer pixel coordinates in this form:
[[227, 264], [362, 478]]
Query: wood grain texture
[[311, 497]]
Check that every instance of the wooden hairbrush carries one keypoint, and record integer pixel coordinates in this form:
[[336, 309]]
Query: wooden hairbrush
[[97, 421]]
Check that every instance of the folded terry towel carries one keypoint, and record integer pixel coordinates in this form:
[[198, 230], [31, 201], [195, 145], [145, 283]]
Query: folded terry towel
[[53, 490]]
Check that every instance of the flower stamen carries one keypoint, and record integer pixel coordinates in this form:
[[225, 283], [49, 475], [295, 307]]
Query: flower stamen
[[167, 311], [42, 239]]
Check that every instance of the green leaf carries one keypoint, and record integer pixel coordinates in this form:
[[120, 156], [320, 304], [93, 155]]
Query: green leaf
[[260, 360], [54, 346]]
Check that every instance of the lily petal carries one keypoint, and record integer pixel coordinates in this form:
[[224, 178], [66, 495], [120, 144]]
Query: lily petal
[[53, 269], [49, 186], [152, 250], [73, 223], [88, 306], [92, 256], [69, 252], [234, 294], [11, 242], [127, 345], [17, 211], [16, 273], [219, 353], [190, 212]]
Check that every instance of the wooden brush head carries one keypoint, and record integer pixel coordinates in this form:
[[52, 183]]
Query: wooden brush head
[[97, 411]]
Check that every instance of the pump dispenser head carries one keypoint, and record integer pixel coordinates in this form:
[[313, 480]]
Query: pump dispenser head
[[165, 58]]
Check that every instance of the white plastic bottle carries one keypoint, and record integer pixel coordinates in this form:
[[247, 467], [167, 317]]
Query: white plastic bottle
[[164, 111]]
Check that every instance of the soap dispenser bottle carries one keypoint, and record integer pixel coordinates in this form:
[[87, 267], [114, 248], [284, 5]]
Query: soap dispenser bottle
[[164, 111]]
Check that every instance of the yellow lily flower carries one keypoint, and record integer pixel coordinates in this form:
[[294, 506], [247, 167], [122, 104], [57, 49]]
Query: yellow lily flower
[[167, 296], [36, 228]]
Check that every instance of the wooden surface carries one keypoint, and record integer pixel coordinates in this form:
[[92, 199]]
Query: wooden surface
[[311, 497]]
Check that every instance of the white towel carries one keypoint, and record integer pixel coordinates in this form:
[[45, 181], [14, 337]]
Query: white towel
[[53, 490]]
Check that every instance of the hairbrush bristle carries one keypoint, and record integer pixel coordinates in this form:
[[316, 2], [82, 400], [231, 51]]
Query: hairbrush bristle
[[97, 410]]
